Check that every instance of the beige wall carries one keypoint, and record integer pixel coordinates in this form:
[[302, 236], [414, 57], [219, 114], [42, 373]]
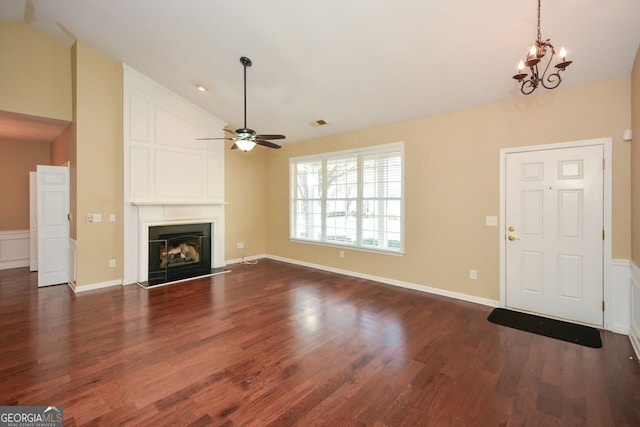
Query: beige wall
[[36, 72], [17, 159], [99, 165], [246, 193], [61, 148], [635, 161], [452, 183]]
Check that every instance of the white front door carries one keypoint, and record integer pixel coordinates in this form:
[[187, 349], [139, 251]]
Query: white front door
[[554, 232], [53, 224]]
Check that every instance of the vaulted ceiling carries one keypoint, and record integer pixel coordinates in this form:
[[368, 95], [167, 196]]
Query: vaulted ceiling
[[354, 63]]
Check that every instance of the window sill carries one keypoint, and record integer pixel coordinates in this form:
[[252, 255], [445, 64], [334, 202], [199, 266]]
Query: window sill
[[350, 247]]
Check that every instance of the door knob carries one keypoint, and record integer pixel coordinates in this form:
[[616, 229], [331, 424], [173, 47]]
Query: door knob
[[512, 228], [512, 238]]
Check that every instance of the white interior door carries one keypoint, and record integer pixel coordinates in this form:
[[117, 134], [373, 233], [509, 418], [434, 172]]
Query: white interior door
[[33, 221], [53, 224], [554, 235]]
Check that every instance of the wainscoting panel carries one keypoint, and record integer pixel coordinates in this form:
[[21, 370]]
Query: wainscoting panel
[[634, 333], [73, 256], [14, 249], [617, 313]]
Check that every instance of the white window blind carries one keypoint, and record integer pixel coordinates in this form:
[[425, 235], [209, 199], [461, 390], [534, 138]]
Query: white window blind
[[349, 198]]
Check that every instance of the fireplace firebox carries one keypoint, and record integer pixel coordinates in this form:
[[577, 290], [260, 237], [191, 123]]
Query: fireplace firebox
[[178, 252]]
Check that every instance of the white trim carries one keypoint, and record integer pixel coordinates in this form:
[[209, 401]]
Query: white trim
[[94, 286], [607, 145], [73, 263], [370, 149], [346, 246], [393, 282], [620, 310], [14, 249], [634, 330]]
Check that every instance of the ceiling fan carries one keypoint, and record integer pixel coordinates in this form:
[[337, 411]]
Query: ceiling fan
[[245, 139]]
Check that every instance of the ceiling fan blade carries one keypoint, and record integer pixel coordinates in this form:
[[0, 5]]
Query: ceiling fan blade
[[211, 139], [270, 136], [234, 146], [228, 130], [266, 143]]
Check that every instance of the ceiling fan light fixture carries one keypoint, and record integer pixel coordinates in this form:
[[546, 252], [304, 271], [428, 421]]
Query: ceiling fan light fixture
[[245, 144], [245, 138]]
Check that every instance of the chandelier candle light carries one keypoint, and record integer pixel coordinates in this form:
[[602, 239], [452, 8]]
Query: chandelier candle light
[[537, 54]]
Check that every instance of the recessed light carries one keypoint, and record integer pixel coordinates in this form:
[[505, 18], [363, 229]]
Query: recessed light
[[201, 87]]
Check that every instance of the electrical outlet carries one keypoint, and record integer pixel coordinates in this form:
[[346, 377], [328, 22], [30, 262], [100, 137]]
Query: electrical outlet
[[341, 254], [240, 245], [473, 274], [112, 263], [112, 217]]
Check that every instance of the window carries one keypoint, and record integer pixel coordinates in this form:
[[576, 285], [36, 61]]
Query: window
[[349, 198]]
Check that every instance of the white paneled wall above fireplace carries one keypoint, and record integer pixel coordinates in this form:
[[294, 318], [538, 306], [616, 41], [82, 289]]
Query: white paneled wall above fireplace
[[166, 166], [163, 157]]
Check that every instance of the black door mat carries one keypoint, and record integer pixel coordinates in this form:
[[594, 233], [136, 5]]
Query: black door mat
[[565, 331]]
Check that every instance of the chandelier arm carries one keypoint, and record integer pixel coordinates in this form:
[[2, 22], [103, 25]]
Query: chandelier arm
[[528, 86], [546, 68], [551, 80]]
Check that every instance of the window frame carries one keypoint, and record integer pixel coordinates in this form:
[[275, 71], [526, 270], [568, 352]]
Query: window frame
[[359, 154]]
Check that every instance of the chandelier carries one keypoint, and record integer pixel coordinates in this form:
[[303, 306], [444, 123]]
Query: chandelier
[[535, 59]]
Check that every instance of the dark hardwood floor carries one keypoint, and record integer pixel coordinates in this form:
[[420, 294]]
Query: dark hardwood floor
[[277, 344]]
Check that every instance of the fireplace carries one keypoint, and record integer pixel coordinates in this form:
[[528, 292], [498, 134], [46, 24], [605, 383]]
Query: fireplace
[[178, 251]]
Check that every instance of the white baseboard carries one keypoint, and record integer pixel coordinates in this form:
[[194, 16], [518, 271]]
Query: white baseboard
[[77, 289], [247, 258], [14, 249], [634, 330], [399, 283]]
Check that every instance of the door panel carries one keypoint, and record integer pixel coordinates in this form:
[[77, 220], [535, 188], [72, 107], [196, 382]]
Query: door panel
[[554, 219], [53, 224], [33, 222]]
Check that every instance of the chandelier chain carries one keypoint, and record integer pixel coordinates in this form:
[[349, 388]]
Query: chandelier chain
[[539, 35]]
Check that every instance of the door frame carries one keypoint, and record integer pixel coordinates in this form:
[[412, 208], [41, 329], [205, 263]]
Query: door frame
[[607, 147]]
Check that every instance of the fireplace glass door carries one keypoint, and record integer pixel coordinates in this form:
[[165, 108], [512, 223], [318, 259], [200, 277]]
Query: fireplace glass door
[[179, 252]]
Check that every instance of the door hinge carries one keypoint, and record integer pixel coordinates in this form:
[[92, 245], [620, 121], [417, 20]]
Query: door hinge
[[602, 305], [602, 164], [602, 234]]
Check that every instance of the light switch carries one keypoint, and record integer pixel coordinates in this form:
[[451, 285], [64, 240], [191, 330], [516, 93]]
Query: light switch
[[94, 218], [491, 221]]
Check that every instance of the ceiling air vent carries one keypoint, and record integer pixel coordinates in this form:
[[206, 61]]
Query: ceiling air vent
[[317, 123]]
